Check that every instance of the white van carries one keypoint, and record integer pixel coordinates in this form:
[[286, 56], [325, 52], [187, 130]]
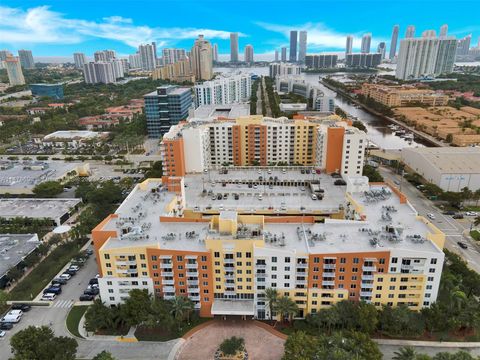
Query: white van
[[48, 297], [12, 318]]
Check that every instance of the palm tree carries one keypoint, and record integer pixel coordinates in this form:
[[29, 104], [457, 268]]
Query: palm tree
[[271, 296], [476, 222], [286, 307], [405, 353], [181, 307]]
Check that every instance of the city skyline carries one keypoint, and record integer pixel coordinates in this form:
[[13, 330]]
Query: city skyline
[[51, 29]]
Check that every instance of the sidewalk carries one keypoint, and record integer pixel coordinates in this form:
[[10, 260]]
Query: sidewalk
[[445, 344]]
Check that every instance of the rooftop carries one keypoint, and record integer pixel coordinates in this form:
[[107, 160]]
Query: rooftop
[[455, 160], [27, 174], [13, 248], [73, 134], [230, 111], [146, 218], [36, 208]]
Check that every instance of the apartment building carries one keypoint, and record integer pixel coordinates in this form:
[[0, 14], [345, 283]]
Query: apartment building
[[324, 142], [395, 96], [282, 69], [223, 90], [168, 239], [179, 71]]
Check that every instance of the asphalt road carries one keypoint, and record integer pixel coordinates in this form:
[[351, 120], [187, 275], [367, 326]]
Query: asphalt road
[[454, 229], [388, 351]]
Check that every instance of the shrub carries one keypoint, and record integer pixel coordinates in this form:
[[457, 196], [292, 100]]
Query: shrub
[[232, 345]]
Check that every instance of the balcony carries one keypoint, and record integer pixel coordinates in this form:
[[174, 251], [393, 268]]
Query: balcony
[[261, 266], [229, 293], [367, 285], [229, 261], [365, 294], [367, 277], [168, 289], [302, 265], [261, 280], [329, 266], [301, 282], [194, 298], [261, 274], [230, 277], [198, 305], [193, 289], [168, 282], [169, 296], [192, 266], [125, 263], [260, 307], [328, 283], [192, 274], [165, 266], [369, 268], [166, 273], [192, 282], [328, 275]]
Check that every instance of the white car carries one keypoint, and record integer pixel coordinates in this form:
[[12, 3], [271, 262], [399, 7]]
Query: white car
[[2, 333], [431, 216], [471, 213], [74, 267], [65, 276]]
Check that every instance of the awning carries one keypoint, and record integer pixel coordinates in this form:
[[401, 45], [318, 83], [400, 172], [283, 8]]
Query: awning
[[233, 307]]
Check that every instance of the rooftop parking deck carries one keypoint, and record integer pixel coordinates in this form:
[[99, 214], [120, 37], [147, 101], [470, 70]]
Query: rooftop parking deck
[[37, 208]]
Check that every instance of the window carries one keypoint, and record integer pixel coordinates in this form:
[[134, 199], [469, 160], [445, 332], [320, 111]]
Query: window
[[394, 260], [248, 255], [354, 269], [154, 258], [380, 279], [287, 259], [179, 258], [180, 267], [216, 254], [204, 258], [356, 260], [274, 259], [142, 256], [378, 296], [112, 298], [391, 287], [239, 254], [109, 273], [343, 260], [379, 288], [239, 263], [341, 277], [354, 277], [433, 261], [353, 286], [316, 260], [110, 291], [341, 269], [381, 261], [217, 263], [430, 278], [390, 296], [108, 265], [287, 285], [109, 283], [107, 256], [431, 270]]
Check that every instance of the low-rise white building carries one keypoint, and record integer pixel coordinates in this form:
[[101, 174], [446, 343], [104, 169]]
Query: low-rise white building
[[73, 138], [450, 168]]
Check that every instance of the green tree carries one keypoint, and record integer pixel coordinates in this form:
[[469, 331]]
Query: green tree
[[405, 353], [286, 308], [101, 317], [181, 307], [232, 345], [137, 307], [48, 189], [359, 125], [271, 297], [39, 343], [104, 355], [372, 174], [300, 346], [155, 171]]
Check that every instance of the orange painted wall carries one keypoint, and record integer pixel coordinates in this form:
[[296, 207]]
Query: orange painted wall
[[204, 275], [100, 236], [334, 149], [176, 158], [348, 273]]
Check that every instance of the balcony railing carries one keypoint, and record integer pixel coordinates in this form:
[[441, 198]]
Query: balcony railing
[[168, 282], [367, 277], [192, 266], [169, 296], [261, 266], [166, 266], [166, 273], [192, 282], [328, 275], [229, 261], [365, 294], [302, 265], [329, 266], [328, 283], [369, 268]]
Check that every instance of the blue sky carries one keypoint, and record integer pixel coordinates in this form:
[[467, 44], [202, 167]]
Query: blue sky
[[59, 28]]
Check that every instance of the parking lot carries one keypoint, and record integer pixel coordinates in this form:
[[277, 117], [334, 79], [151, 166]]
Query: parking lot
[[54, 314]]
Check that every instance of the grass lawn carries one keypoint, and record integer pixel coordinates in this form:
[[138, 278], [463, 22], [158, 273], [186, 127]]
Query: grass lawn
[[162, 334], [44, 272], [73, 319], [475, 234]]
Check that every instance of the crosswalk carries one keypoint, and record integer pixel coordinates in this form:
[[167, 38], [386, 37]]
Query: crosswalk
[[63, 303]]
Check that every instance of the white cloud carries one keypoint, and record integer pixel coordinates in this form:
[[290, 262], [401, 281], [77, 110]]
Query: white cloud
[[319, 36], [40, 25]]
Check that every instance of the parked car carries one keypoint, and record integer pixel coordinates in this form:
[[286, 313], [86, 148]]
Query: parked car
[[471, 213], [458, 216], [74, 268], [66, 276], [431, 216], [59, 281], [91, 291], [6, 326], [2, 333], [71, 272], [93, 281], [86, 297], [89, 251], [449, 212], [23, 307], [53, 290], [339, 182], [462, 245], [12, 317], [48, 297]]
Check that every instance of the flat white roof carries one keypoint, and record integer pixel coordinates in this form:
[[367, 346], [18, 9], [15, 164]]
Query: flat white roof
[[36, 208], [233, 307], [450, 160]]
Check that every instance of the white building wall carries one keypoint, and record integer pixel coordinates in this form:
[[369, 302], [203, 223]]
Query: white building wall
[[194, 141], [114, 290], [353, 154]]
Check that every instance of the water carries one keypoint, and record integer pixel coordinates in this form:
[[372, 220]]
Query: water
[[377, 130]]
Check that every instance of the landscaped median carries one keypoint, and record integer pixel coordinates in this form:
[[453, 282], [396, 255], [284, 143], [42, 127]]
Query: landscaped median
[[73, 319]]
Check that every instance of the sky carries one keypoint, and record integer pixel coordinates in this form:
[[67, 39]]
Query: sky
[[62, 27]]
